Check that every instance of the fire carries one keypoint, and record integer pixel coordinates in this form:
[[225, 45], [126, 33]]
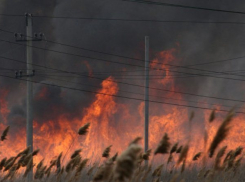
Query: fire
[[4, 105], [164, 58], [99, 114], [116, 123]]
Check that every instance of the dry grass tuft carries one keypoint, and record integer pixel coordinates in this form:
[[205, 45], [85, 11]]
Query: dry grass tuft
[[114, 157], [183, 154], [81, 167], [24, 152], [35, 152], [183, 166], [84, 129], [40, 164], [197, 156], [135, 141], [29, 166], [170, 158], [221, 133], [104, 172], [163, 146], [106, 152], [58, 163], [146, 155], [126, 163], [174, 148], [4, 134], [75, 153], [2, 163], [219, 155], [179, 149]]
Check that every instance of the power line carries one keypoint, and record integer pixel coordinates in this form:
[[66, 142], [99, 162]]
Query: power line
[[132, 76], [124, 91], [184, 6], [213, 62], [126, 20], [118, 76], [125, 72], [139, 20], [128, 78], [153, 88], [120, 71], [13, 15], [126, 57], [137, 65], [128, 64], [119, 96], [50, 76], [130, 84]]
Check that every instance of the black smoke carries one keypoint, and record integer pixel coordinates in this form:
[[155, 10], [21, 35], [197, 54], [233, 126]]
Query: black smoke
[[198, 43]]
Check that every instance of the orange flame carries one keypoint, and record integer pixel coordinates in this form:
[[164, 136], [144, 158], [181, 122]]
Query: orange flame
[[115, 123]]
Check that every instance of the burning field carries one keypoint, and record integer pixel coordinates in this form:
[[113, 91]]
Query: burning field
[[115, 122], [167, 162], [185, 145]]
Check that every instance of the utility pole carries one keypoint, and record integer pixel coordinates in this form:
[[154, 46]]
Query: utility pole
[[29, 105], [146, 93], [29, 74]]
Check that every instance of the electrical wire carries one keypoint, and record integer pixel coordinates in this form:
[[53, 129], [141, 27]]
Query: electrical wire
[[184, 6], [128, 64], [119, 96], [126, 20], [125, 83], [126, 57], [136, 93]]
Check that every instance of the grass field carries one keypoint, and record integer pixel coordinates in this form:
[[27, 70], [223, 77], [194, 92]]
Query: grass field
[[215, 163]]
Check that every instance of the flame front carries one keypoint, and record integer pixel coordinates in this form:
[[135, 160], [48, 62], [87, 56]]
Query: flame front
[[116, 123]]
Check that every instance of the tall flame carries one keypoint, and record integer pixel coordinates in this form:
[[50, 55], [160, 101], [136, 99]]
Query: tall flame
[[116, 123]]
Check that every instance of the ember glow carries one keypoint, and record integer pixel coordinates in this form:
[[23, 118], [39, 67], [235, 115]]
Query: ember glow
[[115, 123]]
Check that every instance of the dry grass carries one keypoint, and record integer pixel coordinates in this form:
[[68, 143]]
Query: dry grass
[[163, 146], [106, 152], [84, 129], [221, 133], [129, 167], [5, 132]]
